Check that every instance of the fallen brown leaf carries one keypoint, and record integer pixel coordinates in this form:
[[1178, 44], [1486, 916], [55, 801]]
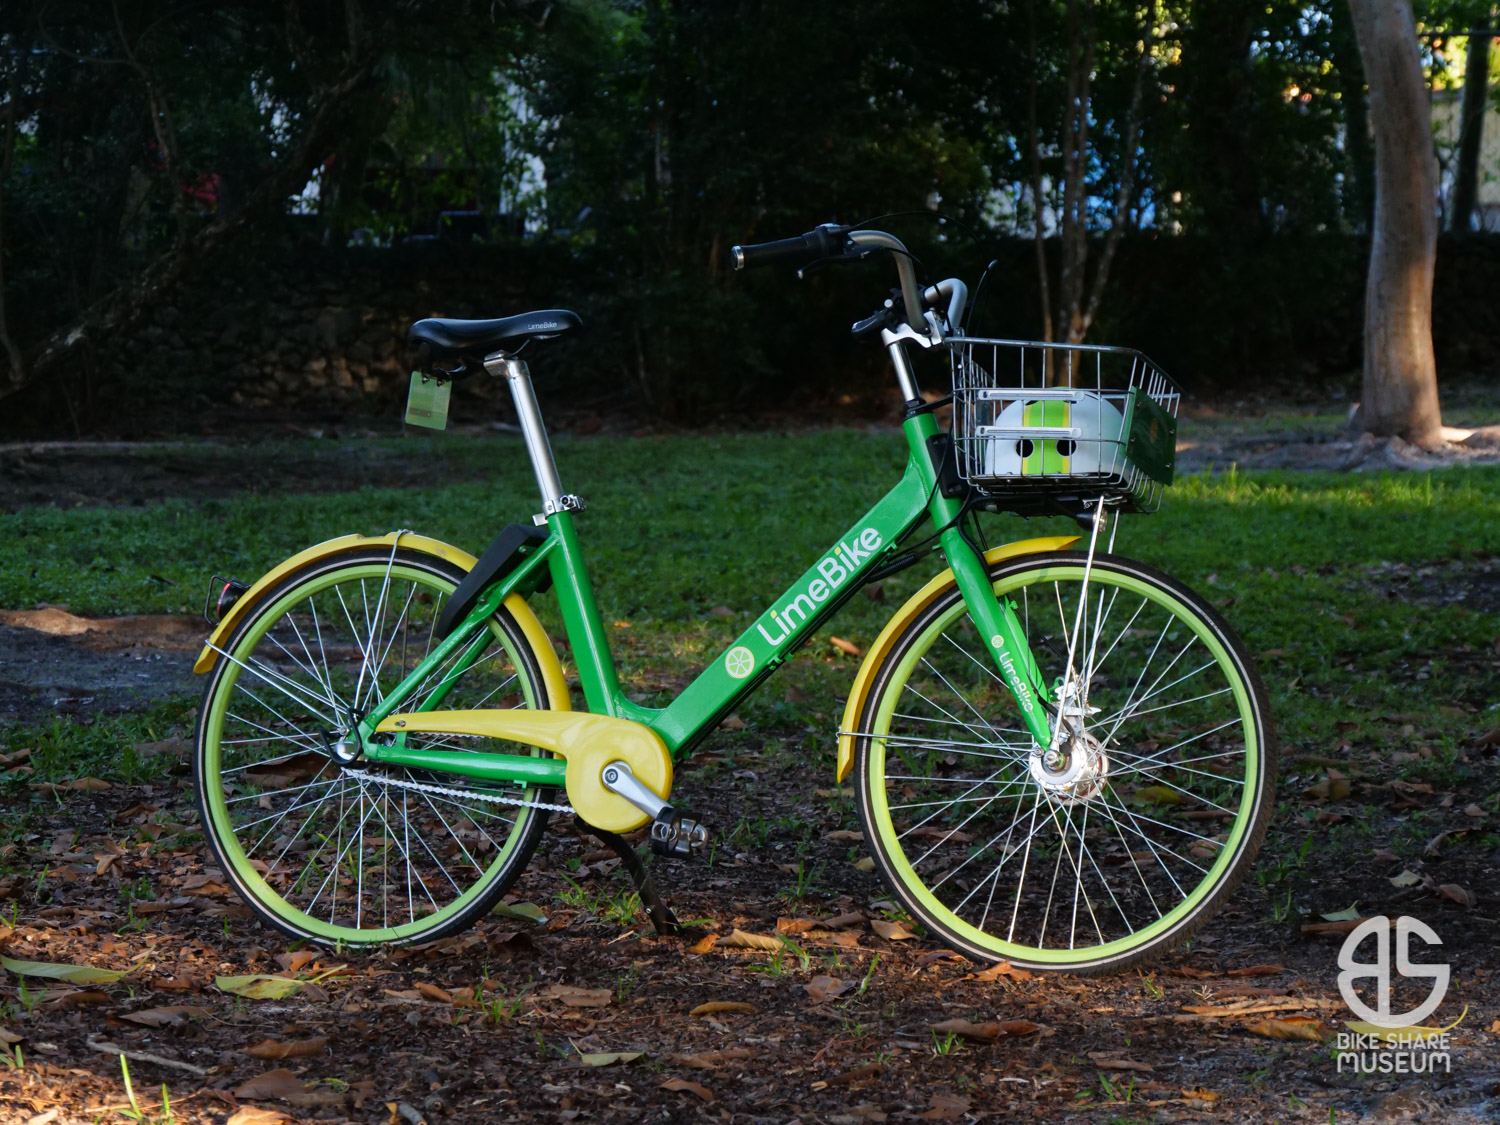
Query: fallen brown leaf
[[945, 1107], [822, 988], [1104, 1061], [279, 1083], [1256, 971], [715, 1007], [869, 1070], [712, 1060], [77, 784], [704, 944], [843, 921], [1003, 969], [575, 997], [848, 647], [290, 1049], [443, 996], [1460, 895], [1326, 928], [1019, 1027], [74, 998], [1292, 1027], [891, 931], [295, 961], [981, 1032], [173, 1015], [256, 1115], [1200, 1093], [683, 1086], [739, 939], [934, 956]]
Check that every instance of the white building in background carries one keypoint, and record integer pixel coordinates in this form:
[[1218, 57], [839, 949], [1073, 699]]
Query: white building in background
[[1445, 126]]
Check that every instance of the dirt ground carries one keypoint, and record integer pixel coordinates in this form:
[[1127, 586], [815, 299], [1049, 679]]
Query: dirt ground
[[519, 1021], [838, 1028]]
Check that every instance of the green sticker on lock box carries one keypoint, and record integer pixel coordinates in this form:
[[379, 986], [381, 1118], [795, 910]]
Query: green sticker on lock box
[[427, 401]]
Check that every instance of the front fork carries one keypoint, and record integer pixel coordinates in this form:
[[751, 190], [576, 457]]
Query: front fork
[[994, 616]]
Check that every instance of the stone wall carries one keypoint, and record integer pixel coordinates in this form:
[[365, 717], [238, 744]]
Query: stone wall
[[312, 329], [313, 332]]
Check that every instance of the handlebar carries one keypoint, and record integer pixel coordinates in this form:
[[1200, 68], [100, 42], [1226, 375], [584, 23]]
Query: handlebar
[[826, 241], [831, 243]]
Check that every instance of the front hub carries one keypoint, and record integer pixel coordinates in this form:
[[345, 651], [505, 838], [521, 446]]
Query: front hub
[[1073, 772]]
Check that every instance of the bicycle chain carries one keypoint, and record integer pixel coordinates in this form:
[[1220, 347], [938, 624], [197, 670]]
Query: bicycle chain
[[445, 791]]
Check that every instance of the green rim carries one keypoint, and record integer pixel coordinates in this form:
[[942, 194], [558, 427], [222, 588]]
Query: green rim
[[231, 850], [893, 850]]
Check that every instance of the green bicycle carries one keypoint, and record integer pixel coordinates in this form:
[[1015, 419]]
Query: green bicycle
[[1063, 758]]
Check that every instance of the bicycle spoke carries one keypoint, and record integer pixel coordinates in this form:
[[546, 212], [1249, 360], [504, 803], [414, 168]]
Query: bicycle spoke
[[1061, 852], [336, 846]]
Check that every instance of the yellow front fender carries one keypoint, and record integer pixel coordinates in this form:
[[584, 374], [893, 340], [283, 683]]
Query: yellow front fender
[[552, 673], [903, 616]]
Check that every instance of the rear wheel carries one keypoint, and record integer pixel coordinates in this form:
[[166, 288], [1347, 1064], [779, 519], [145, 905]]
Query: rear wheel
[[361, 854], [1119, 843]]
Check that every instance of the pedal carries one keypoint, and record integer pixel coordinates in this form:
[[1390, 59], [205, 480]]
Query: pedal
[[675, 833], [672, 832]]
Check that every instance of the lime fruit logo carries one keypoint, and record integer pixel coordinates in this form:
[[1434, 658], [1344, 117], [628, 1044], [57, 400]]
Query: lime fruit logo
[[739, 662]]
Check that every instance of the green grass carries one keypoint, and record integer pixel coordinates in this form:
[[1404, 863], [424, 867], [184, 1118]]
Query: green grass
[[678, 526]]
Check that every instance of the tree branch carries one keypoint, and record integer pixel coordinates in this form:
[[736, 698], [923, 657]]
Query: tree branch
[[323, 125], [1118, 219], [161, 125], [1044, 287], [17, 369]]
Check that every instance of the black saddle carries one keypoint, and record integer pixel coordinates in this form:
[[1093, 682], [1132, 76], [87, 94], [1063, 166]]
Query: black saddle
[[468, 341]]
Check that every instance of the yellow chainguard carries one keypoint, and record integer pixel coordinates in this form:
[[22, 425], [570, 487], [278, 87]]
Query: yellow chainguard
[[588, 742]]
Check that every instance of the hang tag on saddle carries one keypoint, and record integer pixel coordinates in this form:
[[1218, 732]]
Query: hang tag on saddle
[[427, 401]]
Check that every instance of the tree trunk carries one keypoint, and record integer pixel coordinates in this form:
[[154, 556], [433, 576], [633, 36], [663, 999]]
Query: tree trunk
[[1400, 394], [1078, 295], [1471, 130], [1359, 171]]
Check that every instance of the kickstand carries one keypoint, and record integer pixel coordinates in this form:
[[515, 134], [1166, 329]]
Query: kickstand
[[662, 918]]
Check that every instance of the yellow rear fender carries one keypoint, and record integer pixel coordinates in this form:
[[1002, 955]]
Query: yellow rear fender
[[552, 673], [588, 742], [919, 601]]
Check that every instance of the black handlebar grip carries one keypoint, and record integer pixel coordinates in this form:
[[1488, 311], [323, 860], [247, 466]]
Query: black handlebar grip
[[825, 241]]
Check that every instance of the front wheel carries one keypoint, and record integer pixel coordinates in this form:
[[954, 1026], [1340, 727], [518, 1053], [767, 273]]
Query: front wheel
[[355, 854], [1104, 851]]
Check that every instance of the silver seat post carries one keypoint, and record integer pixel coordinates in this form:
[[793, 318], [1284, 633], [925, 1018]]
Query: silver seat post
[[538, 448]]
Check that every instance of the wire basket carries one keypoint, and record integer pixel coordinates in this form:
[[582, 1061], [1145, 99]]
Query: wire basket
[[1033, 420]]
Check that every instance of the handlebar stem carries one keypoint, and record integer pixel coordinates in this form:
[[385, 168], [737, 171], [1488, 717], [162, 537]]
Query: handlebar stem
[[956, 293], [911, 295]]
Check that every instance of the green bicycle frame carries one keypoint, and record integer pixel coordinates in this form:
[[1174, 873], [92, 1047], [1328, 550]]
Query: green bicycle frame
[[757, 652]]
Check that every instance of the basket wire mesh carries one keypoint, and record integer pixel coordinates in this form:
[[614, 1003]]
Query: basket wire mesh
[[1033, 419]]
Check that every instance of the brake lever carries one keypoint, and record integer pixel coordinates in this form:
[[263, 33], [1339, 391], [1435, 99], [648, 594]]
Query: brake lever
[[855, 254], [886, 317]]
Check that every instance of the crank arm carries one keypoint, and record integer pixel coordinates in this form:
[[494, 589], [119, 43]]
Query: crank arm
[[672, 833]]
